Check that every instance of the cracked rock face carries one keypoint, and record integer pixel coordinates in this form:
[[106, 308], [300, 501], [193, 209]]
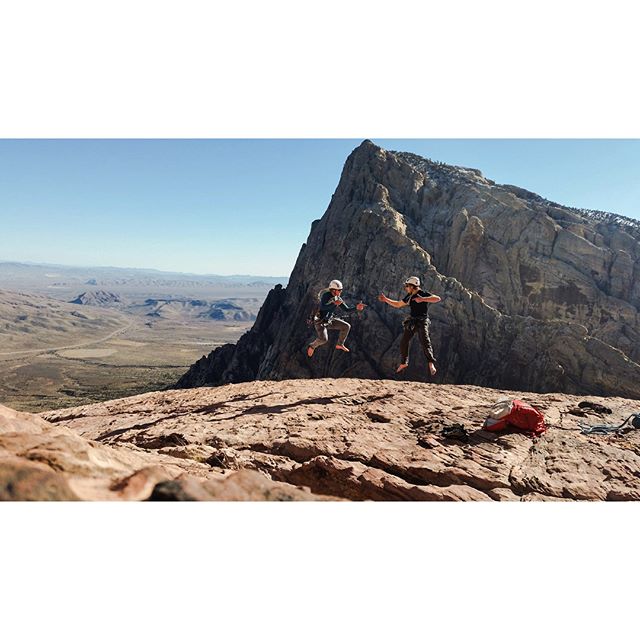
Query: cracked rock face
[[341, 439], [536, 296], [41, 460]]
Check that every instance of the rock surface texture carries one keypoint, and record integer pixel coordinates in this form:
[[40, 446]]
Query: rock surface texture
[[299, 439], [41, 460], [536, 296]]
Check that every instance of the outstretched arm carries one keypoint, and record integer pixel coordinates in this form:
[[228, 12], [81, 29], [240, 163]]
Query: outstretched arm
[[359, 306], [432, 299], [398, 304]]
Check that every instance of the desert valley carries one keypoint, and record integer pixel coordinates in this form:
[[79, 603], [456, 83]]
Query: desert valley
[[74, 335]]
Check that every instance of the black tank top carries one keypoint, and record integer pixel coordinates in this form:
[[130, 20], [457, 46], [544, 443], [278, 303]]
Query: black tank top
[[418, 309]]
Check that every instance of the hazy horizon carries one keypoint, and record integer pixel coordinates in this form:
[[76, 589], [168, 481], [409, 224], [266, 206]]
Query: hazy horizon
[[245, 206], [33, 263]]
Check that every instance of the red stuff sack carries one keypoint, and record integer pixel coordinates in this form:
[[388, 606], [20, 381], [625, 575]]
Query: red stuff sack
[[517, 414]]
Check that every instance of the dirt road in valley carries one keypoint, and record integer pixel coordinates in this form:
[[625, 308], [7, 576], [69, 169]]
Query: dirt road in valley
[[81, 345]]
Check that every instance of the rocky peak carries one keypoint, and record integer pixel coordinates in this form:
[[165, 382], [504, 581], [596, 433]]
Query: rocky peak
[[536, 296], [440, 170]]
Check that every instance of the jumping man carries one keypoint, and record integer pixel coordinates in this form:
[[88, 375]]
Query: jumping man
[[325, 318], [417, 322]]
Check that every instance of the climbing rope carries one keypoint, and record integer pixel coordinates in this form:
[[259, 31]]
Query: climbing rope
[[605, 429]]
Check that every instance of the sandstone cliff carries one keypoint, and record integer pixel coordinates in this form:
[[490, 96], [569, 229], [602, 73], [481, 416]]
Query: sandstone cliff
[[536, 296]]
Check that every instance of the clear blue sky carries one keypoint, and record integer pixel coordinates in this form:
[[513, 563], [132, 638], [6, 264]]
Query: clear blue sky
[[245, 206]]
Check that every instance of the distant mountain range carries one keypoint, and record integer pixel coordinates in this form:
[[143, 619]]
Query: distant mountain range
[[180, 309], [52, 274], [122, 288], [242, 310]]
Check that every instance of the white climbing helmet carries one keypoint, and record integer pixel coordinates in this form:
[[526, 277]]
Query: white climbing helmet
[[413, 280], [335, 284]]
